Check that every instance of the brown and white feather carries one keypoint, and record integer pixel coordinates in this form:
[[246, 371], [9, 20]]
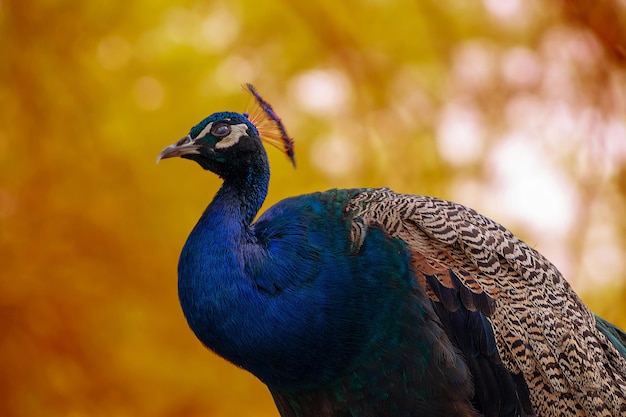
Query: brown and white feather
[[542, 328]]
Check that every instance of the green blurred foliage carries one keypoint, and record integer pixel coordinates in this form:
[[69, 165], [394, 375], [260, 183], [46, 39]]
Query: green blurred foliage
[[90, 228]]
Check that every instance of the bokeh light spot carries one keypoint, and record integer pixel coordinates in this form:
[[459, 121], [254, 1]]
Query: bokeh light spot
[[335, 156], [474, 64], [178, 25], [114, 52], [525, 179], [521, 68], [321, 91], [460, 134], [149, 93], [232, 73], [219, 30], [503, 9]]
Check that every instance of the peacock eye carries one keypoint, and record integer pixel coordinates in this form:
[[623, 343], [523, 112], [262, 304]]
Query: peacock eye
[[221, 130]]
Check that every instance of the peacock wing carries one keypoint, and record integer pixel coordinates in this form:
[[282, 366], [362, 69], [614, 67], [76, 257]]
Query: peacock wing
[[542, 329]]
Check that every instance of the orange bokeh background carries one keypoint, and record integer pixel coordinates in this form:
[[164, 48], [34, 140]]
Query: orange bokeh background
[[516, 108]]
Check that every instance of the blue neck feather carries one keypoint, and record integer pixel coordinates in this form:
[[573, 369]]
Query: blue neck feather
[[281, 298], [212, 281]]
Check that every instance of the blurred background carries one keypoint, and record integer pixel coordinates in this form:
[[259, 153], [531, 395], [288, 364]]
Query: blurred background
[[514, 107]]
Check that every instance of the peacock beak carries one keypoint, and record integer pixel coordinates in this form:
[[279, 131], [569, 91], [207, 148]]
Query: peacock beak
[[185, 146]]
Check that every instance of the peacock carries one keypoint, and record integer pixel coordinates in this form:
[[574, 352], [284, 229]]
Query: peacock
[[367, 302]]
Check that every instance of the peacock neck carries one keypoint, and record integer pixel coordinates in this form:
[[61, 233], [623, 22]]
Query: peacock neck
[[211, 270], [241, 195]]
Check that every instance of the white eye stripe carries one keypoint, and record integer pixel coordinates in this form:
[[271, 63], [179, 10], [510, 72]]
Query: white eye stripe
[[204, 131], [236, 132]]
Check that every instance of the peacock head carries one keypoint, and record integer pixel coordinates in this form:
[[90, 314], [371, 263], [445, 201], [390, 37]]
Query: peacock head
[[228, 142]]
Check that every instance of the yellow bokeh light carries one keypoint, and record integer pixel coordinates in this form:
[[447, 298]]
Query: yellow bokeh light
[[149, 93], [114, 52]]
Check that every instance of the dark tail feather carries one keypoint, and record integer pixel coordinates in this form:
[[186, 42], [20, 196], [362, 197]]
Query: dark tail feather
[[615, 335]]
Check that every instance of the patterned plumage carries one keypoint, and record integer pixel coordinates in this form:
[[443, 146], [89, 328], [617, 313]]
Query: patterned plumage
[[542, 328], [365, 302]]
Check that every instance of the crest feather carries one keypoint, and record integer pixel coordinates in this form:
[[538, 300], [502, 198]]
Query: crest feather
[[270, 127]]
